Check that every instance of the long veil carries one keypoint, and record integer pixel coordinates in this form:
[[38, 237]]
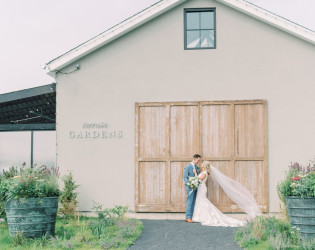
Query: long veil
[[237, 193]]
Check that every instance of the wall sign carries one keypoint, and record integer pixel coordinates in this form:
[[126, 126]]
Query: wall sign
[[99, 130]]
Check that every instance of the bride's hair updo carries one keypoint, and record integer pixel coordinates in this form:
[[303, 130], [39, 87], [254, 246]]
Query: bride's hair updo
[[206, 165]]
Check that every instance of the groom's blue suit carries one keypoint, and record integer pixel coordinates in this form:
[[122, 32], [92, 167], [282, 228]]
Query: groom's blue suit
[[191, 198]]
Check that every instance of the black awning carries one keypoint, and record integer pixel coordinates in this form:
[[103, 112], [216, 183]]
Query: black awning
[[29, 109]]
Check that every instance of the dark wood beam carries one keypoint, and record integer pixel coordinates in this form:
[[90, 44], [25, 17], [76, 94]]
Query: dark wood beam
[[27, 127]]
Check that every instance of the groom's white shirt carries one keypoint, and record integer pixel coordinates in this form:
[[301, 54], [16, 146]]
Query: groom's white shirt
[[193, 165]]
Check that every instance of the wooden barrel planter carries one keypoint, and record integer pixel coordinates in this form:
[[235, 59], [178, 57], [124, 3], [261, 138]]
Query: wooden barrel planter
[[34, 217], [302, 214]]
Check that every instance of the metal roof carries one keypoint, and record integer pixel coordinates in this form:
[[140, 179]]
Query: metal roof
[[36, 106]]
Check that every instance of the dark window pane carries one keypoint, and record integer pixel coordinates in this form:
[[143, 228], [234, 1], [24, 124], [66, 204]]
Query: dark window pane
[[193, 39], [207, 20], [200, 28], [207, 39], [193, 20]]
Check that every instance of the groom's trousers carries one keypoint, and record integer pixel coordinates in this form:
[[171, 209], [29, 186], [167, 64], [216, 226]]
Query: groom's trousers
[[190, 203]]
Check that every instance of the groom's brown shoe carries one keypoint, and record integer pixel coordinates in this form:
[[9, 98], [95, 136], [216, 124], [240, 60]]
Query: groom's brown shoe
[[189, 220]]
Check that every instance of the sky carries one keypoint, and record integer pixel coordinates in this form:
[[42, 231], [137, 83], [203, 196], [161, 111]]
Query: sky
[[34, 32]]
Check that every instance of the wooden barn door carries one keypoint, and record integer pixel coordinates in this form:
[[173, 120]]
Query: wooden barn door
[[234, 140], [231, 134]]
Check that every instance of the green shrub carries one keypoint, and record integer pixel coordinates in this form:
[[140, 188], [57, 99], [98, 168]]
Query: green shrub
[[68, 199], [2, 211], [6, 174], [308, 244], [106, 218], [97, 227], [262, 229], [278, 234], [128, 228], [29, 183], [2, 200], [74, 233], [84, 234], [299, 181], [279, 242], [112, 242]]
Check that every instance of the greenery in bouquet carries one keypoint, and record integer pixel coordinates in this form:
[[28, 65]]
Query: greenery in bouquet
[[17, 183], [299, 181]]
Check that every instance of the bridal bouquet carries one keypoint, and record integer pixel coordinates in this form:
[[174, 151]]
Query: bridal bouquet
[[193, 183]]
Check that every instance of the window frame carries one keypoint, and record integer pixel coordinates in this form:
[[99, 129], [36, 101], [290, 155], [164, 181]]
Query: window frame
[[31, 131], [214, 26]]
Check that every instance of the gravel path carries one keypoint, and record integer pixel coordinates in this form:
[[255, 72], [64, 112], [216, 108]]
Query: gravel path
[[175, 234]]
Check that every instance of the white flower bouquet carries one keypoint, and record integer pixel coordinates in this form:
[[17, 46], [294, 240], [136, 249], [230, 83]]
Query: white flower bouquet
[[193, 183]]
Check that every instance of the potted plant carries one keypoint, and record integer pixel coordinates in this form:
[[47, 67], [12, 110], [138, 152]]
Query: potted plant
[[297, 191], [31, 200]]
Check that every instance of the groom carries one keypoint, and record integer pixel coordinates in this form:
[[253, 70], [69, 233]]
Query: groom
[[191, 198]]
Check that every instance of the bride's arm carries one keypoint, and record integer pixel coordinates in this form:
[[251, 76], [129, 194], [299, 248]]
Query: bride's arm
[[200, 176]]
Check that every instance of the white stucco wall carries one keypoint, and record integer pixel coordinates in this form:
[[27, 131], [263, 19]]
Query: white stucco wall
[[252, 61]]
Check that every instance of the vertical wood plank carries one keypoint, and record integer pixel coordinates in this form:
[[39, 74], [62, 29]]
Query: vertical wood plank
[[200, 131], [249, 129], [184, 131], [215, 193], [178, 191], [167, 160], [251, 175], [152, 182], [216, 130], [152, 130], [265, 163], [233, 141], [136, 157]]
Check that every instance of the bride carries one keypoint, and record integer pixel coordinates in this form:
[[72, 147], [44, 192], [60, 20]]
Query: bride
[[207, 214]]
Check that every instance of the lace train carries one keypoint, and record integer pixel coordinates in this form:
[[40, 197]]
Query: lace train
[[208, 215]]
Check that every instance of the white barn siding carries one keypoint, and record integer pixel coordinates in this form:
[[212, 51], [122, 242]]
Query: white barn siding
[[252, 61]]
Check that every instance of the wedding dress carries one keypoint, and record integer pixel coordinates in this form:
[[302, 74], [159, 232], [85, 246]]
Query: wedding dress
[[208, 215]]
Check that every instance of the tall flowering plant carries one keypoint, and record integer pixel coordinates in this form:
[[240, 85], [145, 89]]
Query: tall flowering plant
[[193, 183], [299, 181], [29, 183]]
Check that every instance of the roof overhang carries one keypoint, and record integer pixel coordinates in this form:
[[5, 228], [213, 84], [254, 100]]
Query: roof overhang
[[111, 34], [272, 19], [27, 93], [158, 9], [29, 109]]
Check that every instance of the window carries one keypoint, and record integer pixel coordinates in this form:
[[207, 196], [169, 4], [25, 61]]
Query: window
[[200, 30], [15, 149], [18, 148], [44, 148]]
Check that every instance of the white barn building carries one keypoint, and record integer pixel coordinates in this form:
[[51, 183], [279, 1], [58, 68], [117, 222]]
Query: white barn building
[[225, 79]]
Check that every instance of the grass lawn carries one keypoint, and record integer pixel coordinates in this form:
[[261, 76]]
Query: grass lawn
[[79, 234], [260, 246]]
